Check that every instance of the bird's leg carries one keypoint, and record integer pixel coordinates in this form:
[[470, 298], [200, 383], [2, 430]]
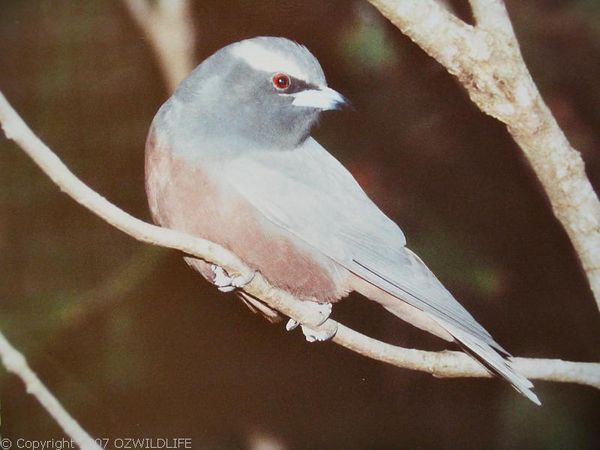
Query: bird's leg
[[225, 283], [324, 309]]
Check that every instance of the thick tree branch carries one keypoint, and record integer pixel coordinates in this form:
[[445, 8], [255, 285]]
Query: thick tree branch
[[487, 60], [15, 362], [428, 23], [491, 15], [442, 364]]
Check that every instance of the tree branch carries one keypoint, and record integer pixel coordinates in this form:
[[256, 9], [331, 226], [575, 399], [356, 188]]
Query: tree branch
[[169, 28], [15, 362], [441, 364], [491, 15], [487, 60], [449, 364]]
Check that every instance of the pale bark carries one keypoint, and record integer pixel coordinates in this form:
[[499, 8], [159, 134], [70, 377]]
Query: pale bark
[[440, 364], [15, 362], [487, 60], [169, 27]]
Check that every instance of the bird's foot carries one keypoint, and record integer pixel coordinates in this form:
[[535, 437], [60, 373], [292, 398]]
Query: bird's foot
[[310, 334], [324, 309], [225, 283]]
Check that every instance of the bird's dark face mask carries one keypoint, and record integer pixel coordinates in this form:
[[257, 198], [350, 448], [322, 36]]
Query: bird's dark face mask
[[268, 99]]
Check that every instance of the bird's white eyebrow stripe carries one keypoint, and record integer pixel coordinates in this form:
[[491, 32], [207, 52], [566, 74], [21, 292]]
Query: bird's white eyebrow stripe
[[260, 58]]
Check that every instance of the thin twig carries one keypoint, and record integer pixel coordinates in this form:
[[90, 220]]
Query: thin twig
[[440, 364], [170, 29], [15, 362], [449, 364]]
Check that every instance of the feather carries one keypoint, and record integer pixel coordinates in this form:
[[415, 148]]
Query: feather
[[312, 196]]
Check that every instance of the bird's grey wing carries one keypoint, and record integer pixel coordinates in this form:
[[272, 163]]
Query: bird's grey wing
[[311, 195]]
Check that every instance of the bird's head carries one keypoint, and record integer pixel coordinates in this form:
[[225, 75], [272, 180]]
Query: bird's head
[[267, 91]]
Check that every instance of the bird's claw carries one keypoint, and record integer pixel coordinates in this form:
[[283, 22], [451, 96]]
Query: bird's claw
[[310, 334], [225, 283], [291, 325], [324, 309]]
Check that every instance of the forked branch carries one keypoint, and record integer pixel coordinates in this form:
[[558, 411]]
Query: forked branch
[[487, 60]]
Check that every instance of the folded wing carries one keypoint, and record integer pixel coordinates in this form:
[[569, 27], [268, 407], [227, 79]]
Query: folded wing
[[311, 195]]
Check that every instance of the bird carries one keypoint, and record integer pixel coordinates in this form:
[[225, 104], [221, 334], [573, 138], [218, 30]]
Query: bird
[[229, 158]]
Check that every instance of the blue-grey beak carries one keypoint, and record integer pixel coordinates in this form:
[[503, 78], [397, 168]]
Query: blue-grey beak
[[323, 99]]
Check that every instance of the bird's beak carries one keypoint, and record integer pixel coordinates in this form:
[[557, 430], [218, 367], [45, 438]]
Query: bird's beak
[[323, 99]]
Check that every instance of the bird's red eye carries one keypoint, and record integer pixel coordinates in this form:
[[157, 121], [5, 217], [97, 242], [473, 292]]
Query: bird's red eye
[[281, 81]]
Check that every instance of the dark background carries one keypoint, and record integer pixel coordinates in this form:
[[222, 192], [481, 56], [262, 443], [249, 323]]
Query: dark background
[[136, 344]]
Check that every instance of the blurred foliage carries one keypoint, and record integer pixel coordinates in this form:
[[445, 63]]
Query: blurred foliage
[[136, 344]]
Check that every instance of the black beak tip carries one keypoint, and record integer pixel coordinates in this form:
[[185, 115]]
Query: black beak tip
[[344, 105]]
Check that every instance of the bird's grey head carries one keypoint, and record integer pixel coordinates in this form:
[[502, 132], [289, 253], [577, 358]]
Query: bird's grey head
[[263, 93]]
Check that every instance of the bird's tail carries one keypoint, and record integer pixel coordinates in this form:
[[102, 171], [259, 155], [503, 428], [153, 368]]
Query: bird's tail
[[480, 346], [493, 361]]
